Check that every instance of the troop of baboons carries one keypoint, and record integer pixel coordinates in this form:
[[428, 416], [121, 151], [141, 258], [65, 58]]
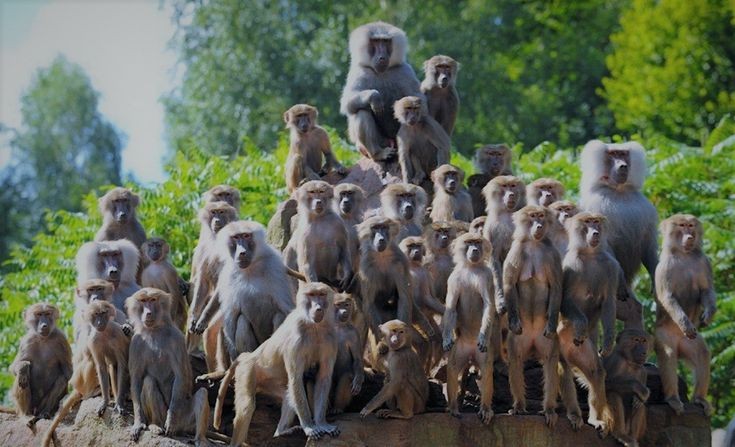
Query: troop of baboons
[[438, 275]]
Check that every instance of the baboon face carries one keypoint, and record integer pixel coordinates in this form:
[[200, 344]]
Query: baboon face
[[95, 290], [155, 249], [473, 251], [590, 228], [224, 195], [315, 299], [41, 318], [684, 231], [442, 237], [242, 248], [451, 181], [633, 344], [343, 309], [218, 219], [394, 332], [379, 51], [478, 225], [150, 310], [316, 195], [547, 193], [301, 117], [415, 251], [381, 237], [509, 194], [491, 159], [564, 210], [409, 110], [346, 202], [99, 314], [536, 223], [110, 264], [618, 165], [443, 74], [406, 204]]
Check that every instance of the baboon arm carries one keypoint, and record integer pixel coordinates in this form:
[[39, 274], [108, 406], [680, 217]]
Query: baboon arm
[[510, 282], [433, 303], [323, 384], [608, 318], [487, 314], [385, 393], [404, 158], [359, 100], [449, 320], [209, 310], [623, 386], [330, 161], [708, 297], [295, 372], [180, 390], [305, 263], [357, 365], [496, 271], [103, 374], [439, 138], [672, 307], [136, 387], [405, 301], [19, 365], [201, 291], [555, 276]]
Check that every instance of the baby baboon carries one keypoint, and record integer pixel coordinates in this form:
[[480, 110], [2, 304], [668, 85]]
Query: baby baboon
[[439, 87], [422, 143], [348, 372], [532, 282], [319, 228], [113, 261], [253, 290], [406, 387], [119, 219], [224, 193], [612, 178], [42, 367], [306, 341], [626, 385], [161, 274], [405, 204], [685, 302], [471, 325], [160, 372], [504, 195], [87, 292], [309, 142], [590, 286], [439, 260], [491, 161], [379, 76], [451, 200], [544, 191], [107, 345]]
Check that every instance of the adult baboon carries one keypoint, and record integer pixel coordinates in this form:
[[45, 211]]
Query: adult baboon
[[119, 220], [113, 261], [406, 204]]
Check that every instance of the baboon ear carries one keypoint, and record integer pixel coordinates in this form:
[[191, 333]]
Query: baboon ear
[[285, 117], [135, 198]]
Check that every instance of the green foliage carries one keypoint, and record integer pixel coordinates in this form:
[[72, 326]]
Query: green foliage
[[671, 70]]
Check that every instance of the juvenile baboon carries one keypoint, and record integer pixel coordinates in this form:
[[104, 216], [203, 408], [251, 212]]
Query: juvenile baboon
[[42, 366], [118, 217], [406, 387], [161, 274], [612, 178], [309, 142], [439, 259], [113, 261], [88, 292], [532, 283], [451, 199], [544, 191], [224, 193], [253, 290], [626, 385], [422, 143], [160, 372], [471, 326], [378, 77], [306, 341], [348, 204], [406, 204], [348, 372], [590, 285], [504, 195], [562, 210], [685, 302], [319, 228], [107, 345], [491, 161], [440, 90], [478, 224]]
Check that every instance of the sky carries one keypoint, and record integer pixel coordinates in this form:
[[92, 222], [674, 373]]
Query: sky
[[122, 45]]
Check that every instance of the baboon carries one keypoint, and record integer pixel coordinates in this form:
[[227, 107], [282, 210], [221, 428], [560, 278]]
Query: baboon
[[406, 204], [113, 261], [491, 161], [612, 178], [440, 90], [205, 268], [118, 217], [590, 285], [107, 345], [320, 246], [544, 191], [439, 260], [253, 290], [160, 372], [306, 341], [563, 210], [161, 274], [504, 195], [348, 204], [309, 142], [532, 284], [42, 366], [451, 199], [685, 302], [422, 143], [406, 388], [378, 77], [224, 193], [348, 372], [478, 224], [626, 385], [88, 292], [472, 311]]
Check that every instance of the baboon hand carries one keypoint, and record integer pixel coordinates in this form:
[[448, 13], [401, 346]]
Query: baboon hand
[[447, 344], [482, 342]]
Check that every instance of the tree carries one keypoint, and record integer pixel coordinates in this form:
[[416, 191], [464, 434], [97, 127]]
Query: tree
[[64, 145], [672, 68]]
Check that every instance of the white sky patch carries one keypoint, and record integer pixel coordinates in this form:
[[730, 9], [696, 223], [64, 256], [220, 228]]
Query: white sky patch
[[120, 44]]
